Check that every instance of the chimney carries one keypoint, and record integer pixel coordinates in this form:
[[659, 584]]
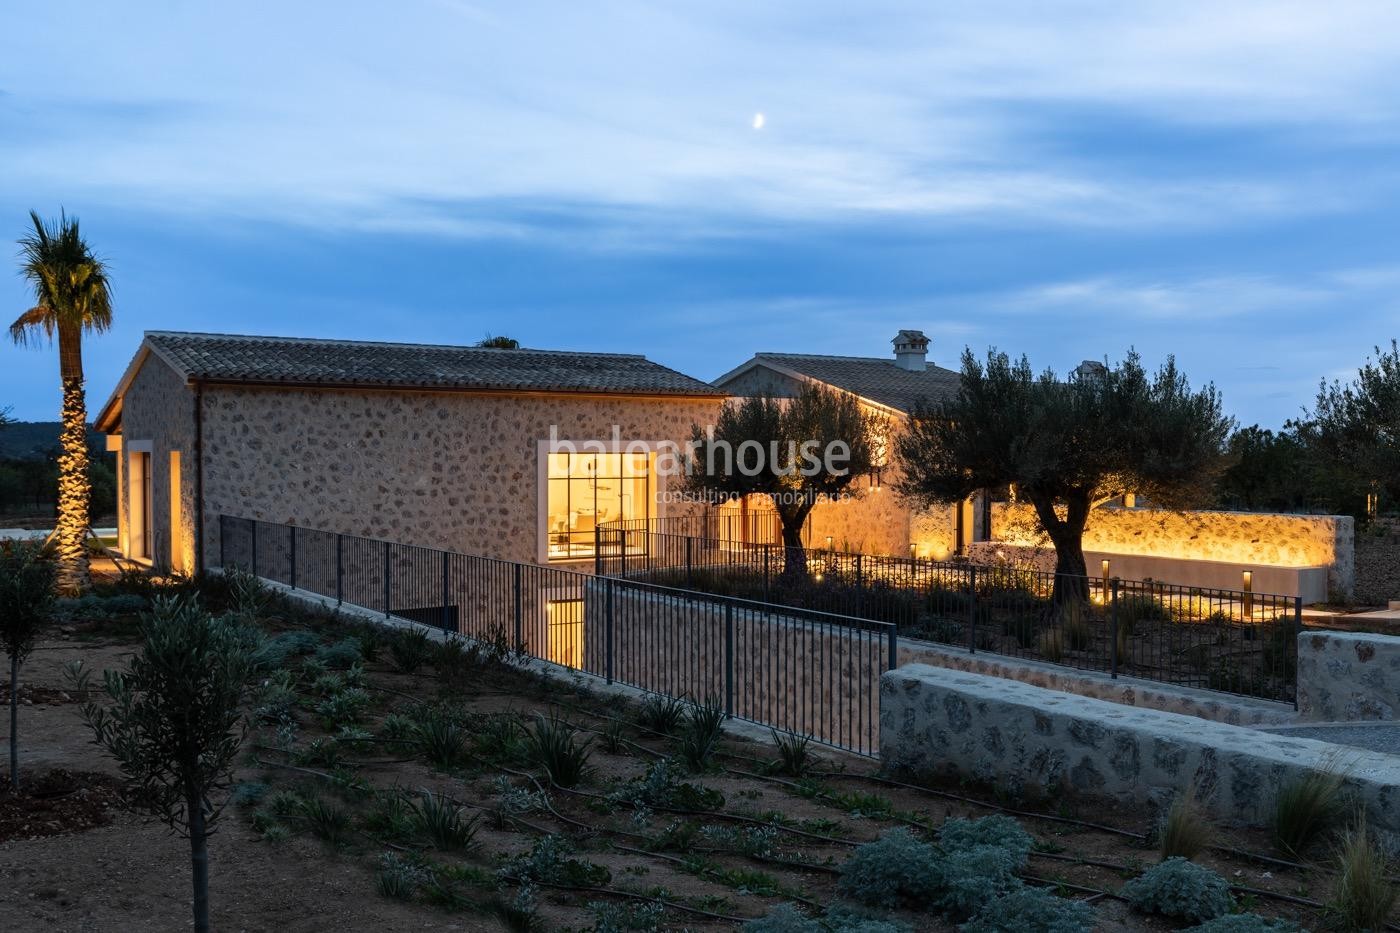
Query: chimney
[[911, 350]]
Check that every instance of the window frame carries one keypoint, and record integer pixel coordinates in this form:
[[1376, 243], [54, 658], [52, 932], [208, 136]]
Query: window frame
[[657, 485]]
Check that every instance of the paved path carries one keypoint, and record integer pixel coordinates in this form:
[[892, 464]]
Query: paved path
[[1375, 736]]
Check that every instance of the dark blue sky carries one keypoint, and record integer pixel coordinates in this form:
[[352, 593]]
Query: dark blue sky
[[1065, 181]]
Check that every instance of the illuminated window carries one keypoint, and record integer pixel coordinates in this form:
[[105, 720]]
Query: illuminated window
[[591, 489], [564, 631]]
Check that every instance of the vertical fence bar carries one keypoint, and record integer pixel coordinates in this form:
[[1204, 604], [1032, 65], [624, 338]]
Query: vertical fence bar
[[446, 568], [292, 558], [339, 569], [1113, 629], [689, 563], [388, 578], [1291, 650], [223, 528], [519, 611], [729, 659], [608, 630], [972, 609], [254, 535], [597, 550]]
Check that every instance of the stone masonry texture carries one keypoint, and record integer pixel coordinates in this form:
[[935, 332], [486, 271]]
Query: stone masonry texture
[[1028, 739]]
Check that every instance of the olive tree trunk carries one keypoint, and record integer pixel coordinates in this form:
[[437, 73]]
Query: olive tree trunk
[[199, 861], [14, 722], [1067, 534]]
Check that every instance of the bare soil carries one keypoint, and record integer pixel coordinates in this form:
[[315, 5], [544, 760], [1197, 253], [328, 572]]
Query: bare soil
[[87, 858]]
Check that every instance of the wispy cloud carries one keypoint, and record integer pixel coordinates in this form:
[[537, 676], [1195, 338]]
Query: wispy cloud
[[362, 114]]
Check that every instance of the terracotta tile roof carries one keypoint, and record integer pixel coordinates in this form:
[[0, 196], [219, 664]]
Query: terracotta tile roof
[[873, 378], [303, 361]]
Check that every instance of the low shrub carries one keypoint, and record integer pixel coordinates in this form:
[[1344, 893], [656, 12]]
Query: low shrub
[[795, 756], [661, 714], [552, 745], [443, 821], [340, 655], [1307, 809], [703, 726], [894, 871], [410, 649], [1051, 645], [1031, 910], [998, 831], [1362, 895], [327, 821], [1243, 923], [398, 877], [550, 861], [1181, 890], [274, 652], [660, 787], [1185, 831], [1134, 608], [787, 919], [440, 739], [343, 707], [966, 879], [248, 793]]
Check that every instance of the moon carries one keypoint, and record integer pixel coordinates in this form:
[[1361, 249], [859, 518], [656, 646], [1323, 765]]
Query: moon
[[758, 120]]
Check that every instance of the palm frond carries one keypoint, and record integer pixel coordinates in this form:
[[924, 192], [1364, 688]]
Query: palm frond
[[70, 283]]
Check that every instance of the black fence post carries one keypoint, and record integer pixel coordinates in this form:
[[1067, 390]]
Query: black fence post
[[519, 614], [972, 609], [1292, 650], [597, 550], [893, 661], [608, 630], [254, 568], [729, 660], [446, 575], [388, 578], [223, 527], [689, 563], [339, 569], [292, 556], [1113, 630], [767, 550]]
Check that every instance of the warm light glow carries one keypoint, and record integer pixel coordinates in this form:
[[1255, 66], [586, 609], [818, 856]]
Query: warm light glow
[[828, 542], [1248, 580], [564, 627]]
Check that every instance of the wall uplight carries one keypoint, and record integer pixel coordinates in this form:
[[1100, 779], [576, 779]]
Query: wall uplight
[[913, 550], [828, 542]]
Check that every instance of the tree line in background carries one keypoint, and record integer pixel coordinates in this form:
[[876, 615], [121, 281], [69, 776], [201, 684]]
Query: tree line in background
[[29, 472], [1342, 456]]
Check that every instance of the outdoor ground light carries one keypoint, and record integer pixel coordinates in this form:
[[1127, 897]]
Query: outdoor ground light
[[1249, 593]]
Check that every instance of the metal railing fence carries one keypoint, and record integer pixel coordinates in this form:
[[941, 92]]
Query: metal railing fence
[[810, 672], [1235, 641]]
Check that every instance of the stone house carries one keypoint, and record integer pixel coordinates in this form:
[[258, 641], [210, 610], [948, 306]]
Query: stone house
[[459, 448], [877, 521]]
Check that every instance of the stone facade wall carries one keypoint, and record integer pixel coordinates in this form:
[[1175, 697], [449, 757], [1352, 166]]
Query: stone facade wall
[[1023, 738], [1348, 676], [1241, 538], [1378, 563], [458, 471], [159, 408]]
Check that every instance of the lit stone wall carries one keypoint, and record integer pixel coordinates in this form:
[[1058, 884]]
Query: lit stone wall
[[458, 471], [1242, 538], [159, 407]]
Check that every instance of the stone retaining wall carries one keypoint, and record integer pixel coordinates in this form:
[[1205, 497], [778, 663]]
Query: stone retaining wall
[[1021, 737], [1348, 676], [1242, 539]]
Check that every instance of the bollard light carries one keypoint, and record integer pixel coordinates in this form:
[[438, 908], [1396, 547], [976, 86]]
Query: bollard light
[[1105, 580], [913, 550], [828, 542], [1248, 579]]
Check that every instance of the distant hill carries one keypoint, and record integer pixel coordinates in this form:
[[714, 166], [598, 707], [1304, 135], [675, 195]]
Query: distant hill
[[32, 440]]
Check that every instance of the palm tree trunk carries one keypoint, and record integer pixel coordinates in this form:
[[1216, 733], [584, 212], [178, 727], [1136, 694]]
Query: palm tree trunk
[[73, 482]]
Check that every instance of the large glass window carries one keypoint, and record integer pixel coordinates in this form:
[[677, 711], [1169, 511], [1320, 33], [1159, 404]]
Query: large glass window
[[591, 489]]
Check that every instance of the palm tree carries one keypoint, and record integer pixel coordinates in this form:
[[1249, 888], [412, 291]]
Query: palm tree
[[72, 295]]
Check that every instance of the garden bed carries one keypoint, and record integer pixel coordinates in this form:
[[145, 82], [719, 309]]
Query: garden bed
[[330, 828]]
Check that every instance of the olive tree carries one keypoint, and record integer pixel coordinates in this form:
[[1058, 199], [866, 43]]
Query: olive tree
[[26, 606], [1067, 445], [1355, 426], [175, 722], [797, 451]]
